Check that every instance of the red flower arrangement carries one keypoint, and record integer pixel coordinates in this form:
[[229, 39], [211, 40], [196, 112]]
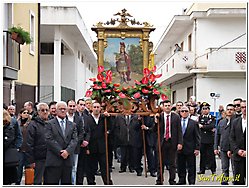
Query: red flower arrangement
[[103, 88]]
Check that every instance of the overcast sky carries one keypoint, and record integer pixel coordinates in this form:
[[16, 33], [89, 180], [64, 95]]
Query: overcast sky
[[157, 13]]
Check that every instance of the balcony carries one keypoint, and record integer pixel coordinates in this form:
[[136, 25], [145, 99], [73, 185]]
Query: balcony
[[222, 60], [11, 57], [176, 67]]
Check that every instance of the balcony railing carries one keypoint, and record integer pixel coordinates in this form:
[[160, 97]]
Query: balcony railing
[[223, 60], [177, 66]]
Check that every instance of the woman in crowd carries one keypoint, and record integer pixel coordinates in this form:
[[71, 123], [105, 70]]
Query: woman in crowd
[[10, 172]]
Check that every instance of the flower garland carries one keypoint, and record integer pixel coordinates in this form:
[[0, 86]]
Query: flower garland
[[103, 89]]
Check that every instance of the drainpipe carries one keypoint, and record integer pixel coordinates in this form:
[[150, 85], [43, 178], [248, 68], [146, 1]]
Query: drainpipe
[[39, 52], [195, 28]]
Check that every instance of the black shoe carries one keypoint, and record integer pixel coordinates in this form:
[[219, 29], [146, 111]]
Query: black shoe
[[131, 170], [201, 172], [121, 171], [172, 183], [139, 173], [153, 174], [98, 173], [181, 183], [158, 183]]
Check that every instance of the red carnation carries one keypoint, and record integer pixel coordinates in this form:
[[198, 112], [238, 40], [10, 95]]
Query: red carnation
[[145, 90], [121, 95], [145, 80], [92, 79], [100, 77], [152, 78], [164, 97], [146, 71], [109, 73], [89, 93], [137, 82], [156, 92], [116, 84], [101, 69], [137, 95], [108, 79]]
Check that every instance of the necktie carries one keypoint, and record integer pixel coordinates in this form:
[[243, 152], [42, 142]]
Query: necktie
[[167, 128], [183, 126], [63, 127]]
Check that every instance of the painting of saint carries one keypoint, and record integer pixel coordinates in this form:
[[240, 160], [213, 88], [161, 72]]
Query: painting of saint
[[125, 59]]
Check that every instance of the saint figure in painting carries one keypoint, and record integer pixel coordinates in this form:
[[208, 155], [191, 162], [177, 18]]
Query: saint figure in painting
[[123, 64]]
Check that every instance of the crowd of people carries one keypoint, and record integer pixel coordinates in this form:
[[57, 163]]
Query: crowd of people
[[64, 142]]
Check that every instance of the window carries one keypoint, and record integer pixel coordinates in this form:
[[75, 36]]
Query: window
[[189, 92], [182, 46], [78, 54], [174, 97], [32, 33], [190, 42], [48, 48], [82, 59]]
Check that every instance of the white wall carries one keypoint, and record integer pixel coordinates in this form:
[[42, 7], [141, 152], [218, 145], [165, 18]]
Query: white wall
[[47, 70], [68, 74], [228, 88], [215, 32], [181, 90]]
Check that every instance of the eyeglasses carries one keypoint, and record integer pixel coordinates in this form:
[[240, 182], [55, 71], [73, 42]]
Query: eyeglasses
[[184, 111], [44, 110], [243, 107], [237, 105], [96, 107]]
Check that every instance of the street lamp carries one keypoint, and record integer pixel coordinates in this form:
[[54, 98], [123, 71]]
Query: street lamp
[[214, 97]]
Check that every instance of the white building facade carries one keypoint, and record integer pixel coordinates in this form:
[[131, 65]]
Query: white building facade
[[212, 57], [67, 57]]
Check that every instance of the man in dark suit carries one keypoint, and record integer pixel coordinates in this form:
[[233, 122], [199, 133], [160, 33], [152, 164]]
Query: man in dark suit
[[238, 145], [186, 158], [151, 142], [97, 148], [222, 143], [61, 139], [71, 116], [88, 107], [171, 140], [207, 127], [236, 103]]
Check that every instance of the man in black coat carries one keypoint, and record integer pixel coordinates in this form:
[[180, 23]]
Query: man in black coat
[[36, 142], [97, 148], [73, 117], [207, 127], [171, 140], [186, 158], [61, 139], [238, 145], [222, 143], [151, 142]]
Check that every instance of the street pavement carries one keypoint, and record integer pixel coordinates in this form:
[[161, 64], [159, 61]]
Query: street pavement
[[132, 179]]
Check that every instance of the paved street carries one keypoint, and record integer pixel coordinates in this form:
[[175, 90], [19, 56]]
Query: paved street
[[132, 179]]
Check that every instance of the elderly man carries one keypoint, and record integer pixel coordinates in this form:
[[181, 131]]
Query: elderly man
[[186, 158], [61, 139], [12, 111], [36, 142], [29, 106]]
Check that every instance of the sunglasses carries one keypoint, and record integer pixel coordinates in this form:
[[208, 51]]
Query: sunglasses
[[237, 105], [82, 105], [96, 107], [25, 113], [204, 108], [184, 111], [44, 110], [243, 107]]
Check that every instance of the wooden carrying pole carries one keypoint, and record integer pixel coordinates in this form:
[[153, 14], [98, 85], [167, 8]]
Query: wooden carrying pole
[[159, 151], [106, 153], [144, 144]]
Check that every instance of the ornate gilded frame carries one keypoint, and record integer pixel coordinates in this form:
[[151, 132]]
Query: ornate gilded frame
[[127, 28]]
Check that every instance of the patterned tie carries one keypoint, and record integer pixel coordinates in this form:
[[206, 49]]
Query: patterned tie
[[63, 127], [183, 126], [167, 128]]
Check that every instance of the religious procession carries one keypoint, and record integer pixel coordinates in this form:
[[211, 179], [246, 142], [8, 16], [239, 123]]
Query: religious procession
[[119, 110]]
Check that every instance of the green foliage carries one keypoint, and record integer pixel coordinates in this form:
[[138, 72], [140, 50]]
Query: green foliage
[[21, 33], [136, 55]]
